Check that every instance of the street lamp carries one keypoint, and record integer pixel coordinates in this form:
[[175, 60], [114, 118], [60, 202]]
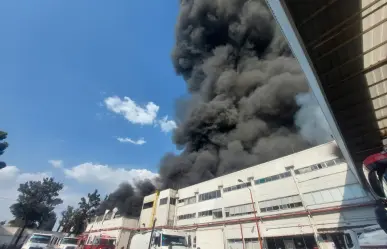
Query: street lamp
[[255, 215]]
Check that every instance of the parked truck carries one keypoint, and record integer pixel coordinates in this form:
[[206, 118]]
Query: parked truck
[[371, 237], [129, 239], [161, 239]]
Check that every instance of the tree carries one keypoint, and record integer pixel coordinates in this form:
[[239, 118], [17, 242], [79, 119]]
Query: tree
[[48, 223], [86, 210], [67, 219], [2, 223], [36, 201], [89, 206], [3, 146]]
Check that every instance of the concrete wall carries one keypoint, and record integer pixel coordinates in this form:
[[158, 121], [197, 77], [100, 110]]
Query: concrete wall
[[164, 213], [112, 224]]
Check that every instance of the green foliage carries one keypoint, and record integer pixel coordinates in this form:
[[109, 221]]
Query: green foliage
[[67, 219], [76, 219], [3, 146], [88, 207], [36, 201], [48, 223]]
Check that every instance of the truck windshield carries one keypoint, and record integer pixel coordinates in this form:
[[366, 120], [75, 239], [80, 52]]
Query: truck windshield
[[172, 240], [72, 241], [44, 239]]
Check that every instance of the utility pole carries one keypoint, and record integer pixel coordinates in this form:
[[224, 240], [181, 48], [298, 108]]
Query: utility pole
[[151, 237], [255, 216]]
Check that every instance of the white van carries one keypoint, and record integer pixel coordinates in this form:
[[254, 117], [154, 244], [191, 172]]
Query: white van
[[41, 241], [67, 243]]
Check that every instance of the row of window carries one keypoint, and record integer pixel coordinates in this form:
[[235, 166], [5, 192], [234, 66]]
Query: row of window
[[319, 166], [239, 241], [273, 178], [280, 203], [342, 193], [172, 201], [239, 210], [294, 201], [236, 187], [189, 200], [216, 213], [186, 216], [217, 193], [210, 195]]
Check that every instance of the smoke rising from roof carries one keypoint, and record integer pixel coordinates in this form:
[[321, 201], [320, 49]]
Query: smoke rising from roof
[[127, 199], [244, 85], [246, 103]]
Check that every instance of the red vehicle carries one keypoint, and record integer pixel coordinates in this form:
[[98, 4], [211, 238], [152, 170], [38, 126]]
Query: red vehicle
[[96, 242]]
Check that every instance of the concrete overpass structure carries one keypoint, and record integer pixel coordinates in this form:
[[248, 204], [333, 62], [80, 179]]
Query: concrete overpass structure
[[342, 48]]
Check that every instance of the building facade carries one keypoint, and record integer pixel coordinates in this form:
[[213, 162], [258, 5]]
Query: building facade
[[114, 228], [300, 201]]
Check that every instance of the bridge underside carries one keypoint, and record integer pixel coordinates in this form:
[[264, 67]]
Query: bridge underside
[[345, 45]]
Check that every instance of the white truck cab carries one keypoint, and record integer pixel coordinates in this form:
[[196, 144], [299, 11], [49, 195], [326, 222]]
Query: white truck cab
[[372, 237], [67, 243], [41, 241], [161, 239]]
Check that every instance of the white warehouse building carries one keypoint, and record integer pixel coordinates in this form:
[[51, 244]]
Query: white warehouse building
[[301, 201]]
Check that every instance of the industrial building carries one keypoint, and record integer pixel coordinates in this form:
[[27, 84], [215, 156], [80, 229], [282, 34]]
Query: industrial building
[[290, 202]]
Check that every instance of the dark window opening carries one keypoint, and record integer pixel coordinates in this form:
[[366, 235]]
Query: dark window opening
[[164, 201], [147, 205]]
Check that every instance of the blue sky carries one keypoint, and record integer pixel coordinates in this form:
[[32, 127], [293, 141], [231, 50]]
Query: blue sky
[[59, 63]]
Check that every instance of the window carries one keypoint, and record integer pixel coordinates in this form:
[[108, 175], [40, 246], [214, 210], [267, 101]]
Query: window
[[164, 201], [273, 178], [189, 200], [279, 242], [217, 214], [310, 242], [205, 213], [210, 195], [280, 203], [172, 201], [186, 216], [66, 240], [319, 166], [148, 205], [235, 243], [170, 223], [271, 243], [299, 242], [239, 210], [235, 187], [348, 240]]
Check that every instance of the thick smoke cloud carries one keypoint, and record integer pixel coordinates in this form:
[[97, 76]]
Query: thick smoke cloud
[[244, 85], [311, 121], [127, 199], [248, 101]]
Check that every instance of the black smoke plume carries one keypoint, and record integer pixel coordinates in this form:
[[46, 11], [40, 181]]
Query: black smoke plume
[[127, 199], [243, 82], [249, 100]]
